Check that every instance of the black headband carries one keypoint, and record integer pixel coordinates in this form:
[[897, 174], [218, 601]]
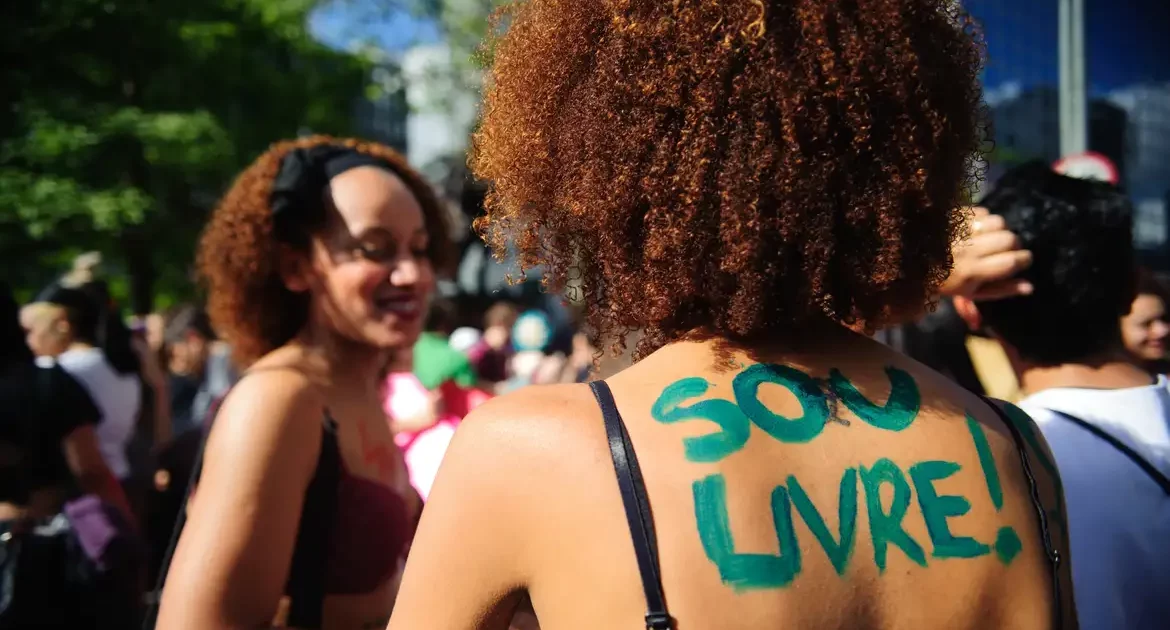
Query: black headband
[[304, 174]]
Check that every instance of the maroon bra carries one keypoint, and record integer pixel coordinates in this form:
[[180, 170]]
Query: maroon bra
[[353, 533]]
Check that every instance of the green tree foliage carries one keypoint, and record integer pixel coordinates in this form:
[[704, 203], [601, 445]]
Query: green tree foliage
[[124, 120]]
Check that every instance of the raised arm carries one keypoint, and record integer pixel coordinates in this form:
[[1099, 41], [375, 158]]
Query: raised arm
[[233, 558]]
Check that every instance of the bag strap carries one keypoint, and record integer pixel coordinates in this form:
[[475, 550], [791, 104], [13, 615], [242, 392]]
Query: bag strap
[[1154, 474], [637, 507], [154, 597]]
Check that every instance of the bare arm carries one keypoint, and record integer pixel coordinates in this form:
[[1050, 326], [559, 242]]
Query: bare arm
[[156, 377], [234, 555], [90, 470], [472, 533]]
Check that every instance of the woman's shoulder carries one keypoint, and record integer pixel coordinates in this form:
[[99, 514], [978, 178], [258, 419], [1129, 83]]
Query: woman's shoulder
[[535, 408], [269, 410], [530, 429]]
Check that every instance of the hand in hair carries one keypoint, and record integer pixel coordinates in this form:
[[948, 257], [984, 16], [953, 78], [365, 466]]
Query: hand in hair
[[987, 264]]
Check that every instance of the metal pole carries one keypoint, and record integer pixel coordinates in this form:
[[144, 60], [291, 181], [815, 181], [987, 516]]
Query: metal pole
[[1074, 121]]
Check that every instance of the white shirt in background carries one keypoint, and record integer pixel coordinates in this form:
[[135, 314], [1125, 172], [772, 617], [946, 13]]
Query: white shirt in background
[[117, 396], [1119, 518]]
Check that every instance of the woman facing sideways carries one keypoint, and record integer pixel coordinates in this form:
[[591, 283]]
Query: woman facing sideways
[[1146, 327], [751, 185], [320, 262]]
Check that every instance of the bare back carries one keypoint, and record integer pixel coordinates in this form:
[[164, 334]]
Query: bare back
[[845, 488]]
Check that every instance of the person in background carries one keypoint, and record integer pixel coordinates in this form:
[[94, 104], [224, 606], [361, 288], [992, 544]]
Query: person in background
[[198, 374], [1106, 418], [424, 421], [199, 368], [1145, 329], [491, 355], [530, 363], [754, 187], [579, 364], [74, 328], [155, 426], [464, 339], [319, 262], [987, 264], [435, 361], [154, 327], [48, 445]]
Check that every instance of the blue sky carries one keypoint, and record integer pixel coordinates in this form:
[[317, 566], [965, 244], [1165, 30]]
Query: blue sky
[[342, 23], [1128, 40]]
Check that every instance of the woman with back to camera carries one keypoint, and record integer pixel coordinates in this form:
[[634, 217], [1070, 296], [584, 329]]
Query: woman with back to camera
[[320, 263], [72, 323], [746, 184]]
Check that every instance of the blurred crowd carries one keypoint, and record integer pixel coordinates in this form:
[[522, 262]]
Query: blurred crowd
[[146, 389]]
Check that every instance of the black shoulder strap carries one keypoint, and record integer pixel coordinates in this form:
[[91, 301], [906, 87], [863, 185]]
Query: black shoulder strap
[[1034, 489], [1156, 475], [305, 610], [637, 506], [307, 573]]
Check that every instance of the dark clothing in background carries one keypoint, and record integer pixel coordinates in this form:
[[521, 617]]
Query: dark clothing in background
[[938, 340], [39, 407], [192, 397], [183, 389], [172, 474]]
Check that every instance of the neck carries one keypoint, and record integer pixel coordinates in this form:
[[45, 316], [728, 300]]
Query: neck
[[347, 363], [1112, 371], [80, 345]]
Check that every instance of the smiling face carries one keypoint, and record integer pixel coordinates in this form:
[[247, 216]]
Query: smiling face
[[1145, 329], [368, 273]]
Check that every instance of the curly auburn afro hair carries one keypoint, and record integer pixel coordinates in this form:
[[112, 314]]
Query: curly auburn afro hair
[[248, 303], [743, 167]]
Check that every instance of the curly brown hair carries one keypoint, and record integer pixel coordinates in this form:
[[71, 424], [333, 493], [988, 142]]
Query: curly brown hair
[[744, 167], [248, 303]]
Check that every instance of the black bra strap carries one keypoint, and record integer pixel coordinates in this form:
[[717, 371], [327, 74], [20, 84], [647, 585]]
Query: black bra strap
[[637, 506], [1045, 535], [1141, 462], [306, 580]]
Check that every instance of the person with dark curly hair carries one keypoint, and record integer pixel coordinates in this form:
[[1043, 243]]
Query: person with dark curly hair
[[1106, 418], [1146, 328], [750, 186], [320, 264]]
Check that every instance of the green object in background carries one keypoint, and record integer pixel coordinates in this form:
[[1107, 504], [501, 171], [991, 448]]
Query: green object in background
[[435, 363]]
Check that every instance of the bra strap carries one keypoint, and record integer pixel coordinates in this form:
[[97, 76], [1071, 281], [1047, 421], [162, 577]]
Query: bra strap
[[637, 507], [307, 573], [1045, 534]]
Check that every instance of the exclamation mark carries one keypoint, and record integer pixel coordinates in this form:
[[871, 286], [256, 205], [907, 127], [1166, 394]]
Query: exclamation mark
[[1007, 543]]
